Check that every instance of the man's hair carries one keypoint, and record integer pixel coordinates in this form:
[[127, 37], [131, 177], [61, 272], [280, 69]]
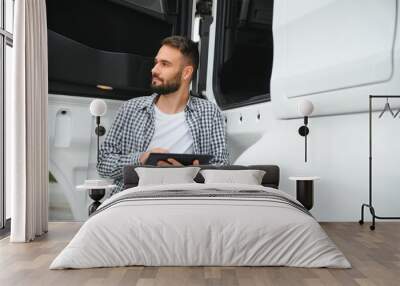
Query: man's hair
[[187, 47]]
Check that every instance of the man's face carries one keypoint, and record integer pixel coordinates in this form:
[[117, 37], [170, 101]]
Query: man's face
[[167, 70]]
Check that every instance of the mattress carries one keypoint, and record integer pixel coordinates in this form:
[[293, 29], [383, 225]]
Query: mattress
[[201, 225]]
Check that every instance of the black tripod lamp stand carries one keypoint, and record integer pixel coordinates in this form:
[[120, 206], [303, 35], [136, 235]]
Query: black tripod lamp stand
[[305, 108]]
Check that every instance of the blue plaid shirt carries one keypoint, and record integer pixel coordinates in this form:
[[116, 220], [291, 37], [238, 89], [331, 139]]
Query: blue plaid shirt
[[133, 129]]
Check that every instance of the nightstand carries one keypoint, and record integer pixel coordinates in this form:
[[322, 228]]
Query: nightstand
[[305, 190], [97, 190]]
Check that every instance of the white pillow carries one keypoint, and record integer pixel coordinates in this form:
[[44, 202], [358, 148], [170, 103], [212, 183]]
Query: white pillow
[[165, 176], [248, 177]]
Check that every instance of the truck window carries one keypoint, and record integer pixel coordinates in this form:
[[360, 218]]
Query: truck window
[[243, 52]]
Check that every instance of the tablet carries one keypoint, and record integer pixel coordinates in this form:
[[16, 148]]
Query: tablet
[[184, 159]]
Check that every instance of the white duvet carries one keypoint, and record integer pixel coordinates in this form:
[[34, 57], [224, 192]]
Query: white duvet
[[185, 231]]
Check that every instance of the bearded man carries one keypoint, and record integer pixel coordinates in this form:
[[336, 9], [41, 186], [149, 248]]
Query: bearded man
[[168, 121]]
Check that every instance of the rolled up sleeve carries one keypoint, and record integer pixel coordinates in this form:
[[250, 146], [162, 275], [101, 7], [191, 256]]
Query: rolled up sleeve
[[218, 140], [111, 159]]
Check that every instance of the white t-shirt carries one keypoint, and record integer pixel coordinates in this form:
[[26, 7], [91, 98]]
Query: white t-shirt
[[171, 132]]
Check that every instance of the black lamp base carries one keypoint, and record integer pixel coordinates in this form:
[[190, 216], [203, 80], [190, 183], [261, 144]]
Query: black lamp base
[[305, 193], [96, 195]]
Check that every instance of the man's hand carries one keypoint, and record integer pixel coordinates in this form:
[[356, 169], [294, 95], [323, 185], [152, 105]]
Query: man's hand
[[169, 162], [143, 158], [173, 162]]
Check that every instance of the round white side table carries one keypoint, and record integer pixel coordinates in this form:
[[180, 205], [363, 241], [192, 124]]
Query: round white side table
[[96, 193]]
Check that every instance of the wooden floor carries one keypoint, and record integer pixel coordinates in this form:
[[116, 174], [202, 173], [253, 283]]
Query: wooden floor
[[374, 255]]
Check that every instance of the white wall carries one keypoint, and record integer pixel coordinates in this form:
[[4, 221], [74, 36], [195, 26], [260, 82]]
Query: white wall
[[338, 143], [334, 53], [337, 152], [326, 45], [72, 156]]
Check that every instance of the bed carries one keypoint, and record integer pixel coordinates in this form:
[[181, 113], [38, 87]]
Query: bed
[[198, 224]]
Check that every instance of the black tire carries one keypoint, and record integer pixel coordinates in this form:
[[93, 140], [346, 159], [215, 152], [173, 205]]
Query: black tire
[[372, 227], [361, 222]]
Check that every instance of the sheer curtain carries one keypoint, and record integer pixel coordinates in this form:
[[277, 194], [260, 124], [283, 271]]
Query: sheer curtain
[[27, 123]]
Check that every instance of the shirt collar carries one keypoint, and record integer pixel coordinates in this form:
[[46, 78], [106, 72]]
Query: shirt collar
[[149, 101]]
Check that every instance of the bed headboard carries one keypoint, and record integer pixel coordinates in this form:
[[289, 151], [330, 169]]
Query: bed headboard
[[270, 179]]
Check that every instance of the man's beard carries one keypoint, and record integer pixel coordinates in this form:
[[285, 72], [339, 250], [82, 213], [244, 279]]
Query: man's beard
[[168, 87]]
